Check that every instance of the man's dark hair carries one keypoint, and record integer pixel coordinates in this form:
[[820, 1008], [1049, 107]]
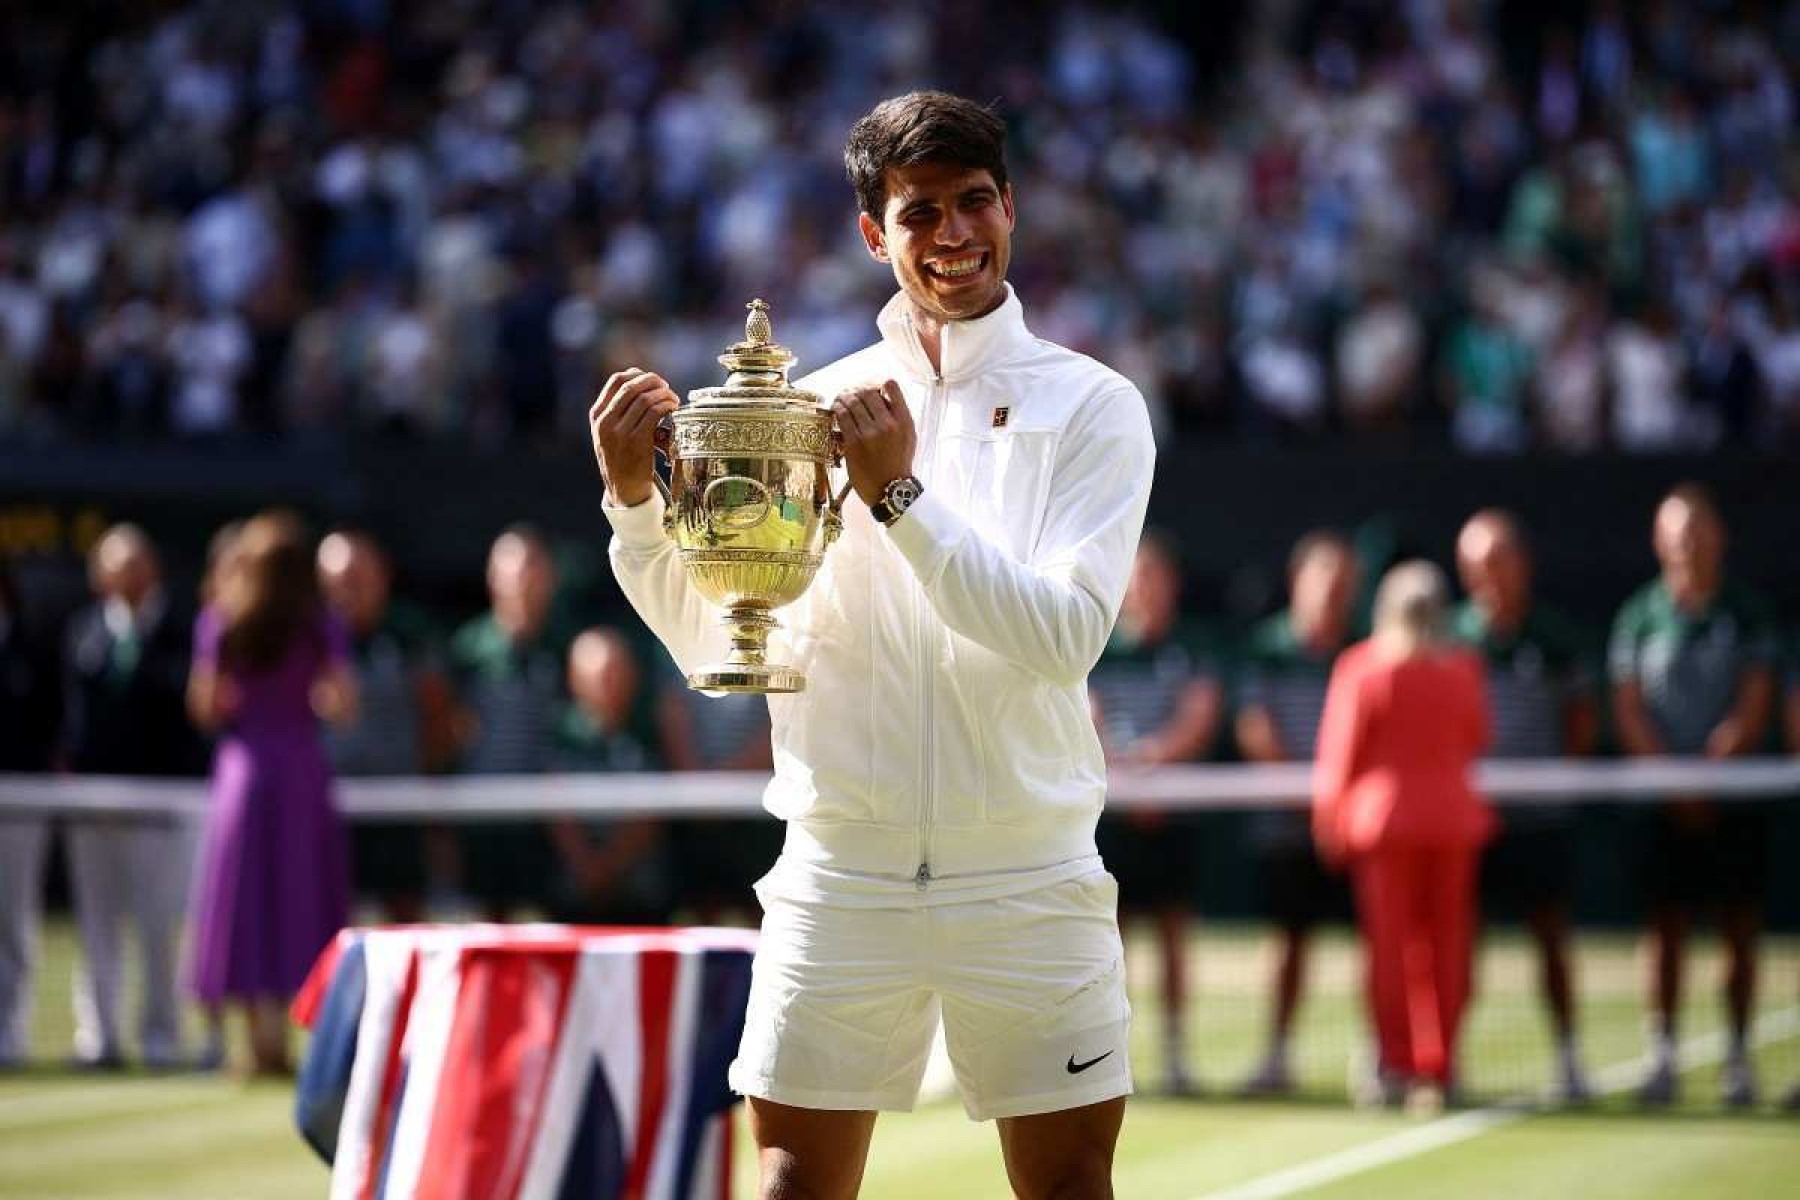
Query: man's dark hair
[[921, 127]]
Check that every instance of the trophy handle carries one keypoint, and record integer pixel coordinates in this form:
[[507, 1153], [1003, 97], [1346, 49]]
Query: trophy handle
[[664, 441], [834, 511]]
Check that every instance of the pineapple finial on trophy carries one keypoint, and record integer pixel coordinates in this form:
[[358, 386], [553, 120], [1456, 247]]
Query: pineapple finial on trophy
[[757, 330], [758, 361]]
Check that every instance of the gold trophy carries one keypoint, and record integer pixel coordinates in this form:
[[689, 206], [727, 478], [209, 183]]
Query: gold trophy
[[749, 500]]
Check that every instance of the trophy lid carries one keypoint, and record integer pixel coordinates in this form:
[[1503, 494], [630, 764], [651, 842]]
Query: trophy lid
[[758, 361]]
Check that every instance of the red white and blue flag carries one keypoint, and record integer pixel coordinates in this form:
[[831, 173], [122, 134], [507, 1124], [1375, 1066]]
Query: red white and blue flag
[[524, 1062]]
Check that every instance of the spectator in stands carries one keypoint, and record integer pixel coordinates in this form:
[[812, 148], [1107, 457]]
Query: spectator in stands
[[1543, 697], [1485, 370], [612, 870], [1281, 697], [27, 732], [1393, 800], [1156, 699], [402, 719], [269, 664], [125, 669], [508, 667], [1692, 663], [1380, 359]]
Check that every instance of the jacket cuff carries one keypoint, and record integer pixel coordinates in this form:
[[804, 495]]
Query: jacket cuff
[[928, 533], [639, 526]]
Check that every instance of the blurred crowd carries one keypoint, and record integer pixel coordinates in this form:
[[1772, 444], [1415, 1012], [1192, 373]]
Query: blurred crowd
[[1442, 219]]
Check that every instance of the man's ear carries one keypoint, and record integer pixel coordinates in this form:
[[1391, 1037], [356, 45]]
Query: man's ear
[[873, 236], [1006, 203]]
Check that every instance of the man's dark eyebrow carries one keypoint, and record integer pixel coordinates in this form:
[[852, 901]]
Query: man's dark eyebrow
[[980, 191]]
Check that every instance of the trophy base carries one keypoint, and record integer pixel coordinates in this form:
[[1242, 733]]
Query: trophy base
[[747, 677]]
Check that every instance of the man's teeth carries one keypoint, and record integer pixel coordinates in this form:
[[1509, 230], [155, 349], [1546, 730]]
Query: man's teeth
[[958, 266]]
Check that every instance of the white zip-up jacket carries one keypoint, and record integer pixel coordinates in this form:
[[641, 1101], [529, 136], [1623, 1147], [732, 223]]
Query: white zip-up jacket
[[944, 737]]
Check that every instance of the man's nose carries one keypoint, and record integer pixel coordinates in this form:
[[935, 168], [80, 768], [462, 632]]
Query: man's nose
[[954, 229]]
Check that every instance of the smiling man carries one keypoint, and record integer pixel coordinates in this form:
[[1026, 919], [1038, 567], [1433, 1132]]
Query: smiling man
[[941, 777]]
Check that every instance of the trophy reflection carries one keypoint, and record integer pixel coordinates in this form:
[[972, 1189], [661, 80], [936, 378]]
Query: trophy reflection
[[749, 500]]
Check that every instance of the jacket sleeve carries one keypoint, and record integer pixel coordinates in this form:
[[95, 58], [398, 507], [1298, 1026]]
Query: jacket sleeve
[[1051, 615], [1340, 741], [1481, 733], [650, 573]]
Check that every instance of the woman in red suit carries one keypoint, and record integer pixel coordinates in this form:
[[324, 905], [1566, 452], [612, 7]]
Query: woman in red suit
[[1405, 718]]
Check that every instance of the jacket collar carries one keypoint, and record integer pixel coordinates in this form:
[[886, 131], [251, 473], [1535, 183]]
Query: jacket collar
[[969, 347]]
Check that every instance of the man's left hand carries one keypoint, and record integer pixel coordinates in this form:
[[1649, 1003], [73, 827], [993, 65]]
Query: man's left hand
[[879, 438]]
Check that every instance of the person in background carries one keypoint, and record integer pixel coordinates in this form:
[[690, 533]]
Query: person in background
[[1281, 697], [1156, 701], [717, 861], [221, 555], [125, 670], [1692, 660], [269, 664], [612, 870], [507, 667], [1393, 800], [1542, 696], [402, 717], [28, 711], [1791, 737]]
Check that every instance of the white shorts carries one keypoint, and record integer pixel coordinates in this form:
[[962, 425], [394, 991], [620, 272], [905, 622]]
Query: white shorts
[[844, 1002]]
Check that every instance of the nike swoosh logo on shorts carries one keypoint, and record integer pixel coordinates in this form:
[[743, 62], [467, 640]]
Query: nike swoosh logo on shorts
[[1076, 1068]]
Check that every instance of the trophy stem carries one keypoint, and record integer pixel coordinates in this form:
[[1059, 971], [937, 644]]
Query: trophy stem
[[746, 668]]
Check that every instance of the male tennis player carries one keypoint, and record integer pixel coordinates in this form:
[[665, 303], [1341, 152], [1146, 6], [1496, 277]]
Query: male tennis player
[[940, 777]]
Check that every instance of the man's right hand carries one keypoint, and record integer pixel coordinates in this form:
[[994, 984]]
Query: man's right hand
[[623, 421]]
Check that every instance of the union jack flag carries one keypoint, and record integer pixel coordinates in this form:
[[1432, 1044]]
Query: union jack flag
[[524, 1062]]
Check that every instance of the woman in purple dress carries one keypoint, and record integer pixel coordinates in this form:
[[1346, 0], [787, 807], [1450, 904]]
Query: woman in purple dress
[[274, 883]]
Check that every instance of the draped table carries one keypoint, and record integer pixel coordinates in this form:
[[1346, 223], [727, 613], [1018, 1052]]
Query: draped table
[[518, 1062]]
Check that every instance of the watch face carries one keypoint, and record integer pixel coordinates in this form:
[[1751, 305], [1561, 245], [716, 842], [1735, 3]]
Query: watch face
[[901, 493]]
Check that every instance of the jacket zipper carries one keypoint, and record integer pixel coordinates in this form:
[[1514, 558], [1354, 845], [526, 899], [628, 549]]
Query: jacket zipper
[[933, 418]]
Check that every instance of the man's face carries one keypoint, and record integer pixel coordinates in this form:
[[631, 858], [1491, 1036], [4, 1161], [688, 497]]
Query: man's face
[[1153, 594], [947, 231], [1324, 590], [354, 580], [521, 583], [1690, 545], [603, 678], [1495, 572], [126, 570]]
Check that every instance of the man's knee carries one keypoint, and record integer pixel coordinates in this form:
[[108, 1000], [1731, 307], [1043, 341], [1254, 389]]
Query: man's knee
[[785, 1176], [1085, 1177], [1064, 1155], [808, 1154]]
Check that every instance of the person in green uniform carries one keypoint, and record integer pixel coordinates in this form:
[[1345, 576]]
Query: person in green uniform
[[1542, 698], [1156, 700], [507, 666], [1692, 663], [402, 714], [1281, 696], [612, 871]]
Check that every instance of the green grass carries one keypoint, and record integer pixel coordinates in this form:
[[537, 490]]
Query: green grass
[[63, 1134]]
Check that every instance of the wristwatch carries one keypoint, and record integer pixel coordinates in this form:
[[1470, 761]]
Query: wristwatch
[[898, 496]]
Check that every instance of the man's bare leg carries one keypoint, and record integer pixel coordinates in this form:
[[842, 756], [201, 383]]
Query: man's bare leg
[[1065, 1155], [809, 1153]]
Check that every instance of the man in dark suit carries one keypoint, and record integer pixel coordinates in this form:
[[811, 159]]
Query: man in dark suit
[[125, 665]]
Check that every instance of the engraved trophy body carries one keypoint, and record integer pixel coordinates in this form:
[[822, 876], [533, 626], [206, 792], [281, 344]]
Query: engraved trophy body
[[750, 506]]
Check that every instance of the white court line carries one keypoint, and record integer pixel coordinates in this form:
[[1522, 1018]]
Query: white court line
[[1694, 1052]]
